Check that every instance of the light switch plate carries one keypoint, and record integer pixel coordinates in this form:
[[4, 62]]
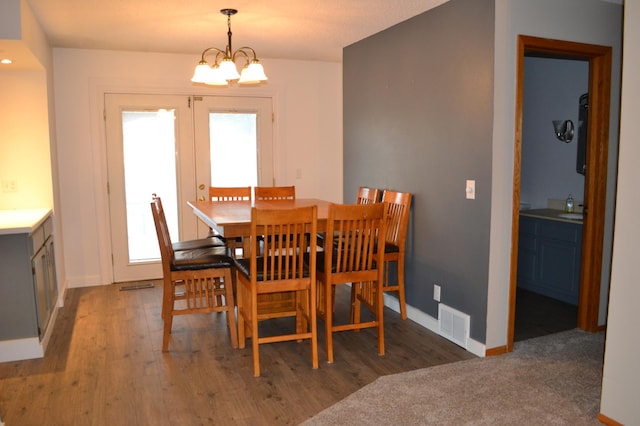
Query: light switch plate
[[471, 190], [9, 186]]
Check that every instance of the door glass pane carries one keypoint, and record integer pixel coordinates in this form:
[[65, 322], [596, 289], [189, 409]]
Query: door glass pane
[[149, 148], [234, 157]]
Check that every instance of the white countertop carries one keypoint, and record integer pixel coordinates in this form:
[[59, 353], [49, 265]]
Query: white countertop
[[21, 221], [553, 214]]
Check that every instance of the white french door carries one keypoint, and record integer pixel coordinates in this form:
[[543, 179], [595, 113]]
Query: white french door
[[234, 143], [164, 144]]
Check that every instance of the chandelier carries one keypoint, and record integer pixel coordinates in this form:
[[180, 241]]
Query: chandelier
[[224, 71]]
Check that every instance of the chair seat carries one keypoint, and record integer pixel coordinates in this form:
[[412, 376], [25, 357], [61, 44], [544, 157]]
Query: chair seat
[[243, 266], [388, 247], [203, 258], [391, 248], [320, 262], [214, 241]]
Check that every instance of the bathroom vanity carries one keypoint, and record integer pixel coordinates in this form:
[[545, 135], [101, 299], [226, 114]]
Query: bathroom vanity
[[28, 285], [549, 253]]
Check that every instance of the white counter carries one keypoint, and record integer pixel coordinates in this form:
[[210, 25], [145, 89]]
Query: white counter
[[551, 214], [22, 221]]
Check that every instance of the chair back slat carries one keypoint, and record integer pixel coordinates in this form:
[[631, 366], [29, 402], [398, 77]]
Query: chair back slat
[[162, 230], [217, 193], [398, 206], [367, 195], [275, 192]]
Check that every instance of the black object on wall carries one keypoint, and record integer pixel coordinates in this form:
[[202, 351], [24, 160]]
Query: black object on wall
[[583, 124]]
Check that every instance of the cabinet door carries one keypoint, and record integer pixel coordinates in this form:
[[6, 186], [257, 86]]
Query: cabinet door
[[559, 269], [52, 282], [40, 278]]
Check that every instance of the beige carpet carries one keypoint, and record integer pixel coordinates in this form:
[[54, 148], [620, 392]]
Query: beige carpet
[[551, 380]]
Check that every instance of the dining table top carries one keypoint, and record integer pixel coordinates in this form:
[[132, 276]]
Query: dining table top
[[233, 218]]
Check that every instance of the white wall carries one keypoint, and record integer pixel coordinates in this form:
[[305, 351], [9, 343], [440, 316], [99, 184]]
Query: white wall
[[585, 21], [24, 140], [308, 135], [25, 114], [621, 376]]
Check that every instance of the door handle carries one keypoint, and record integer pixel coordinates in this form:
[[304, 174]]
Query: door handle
[[201, 186], [201, 198]]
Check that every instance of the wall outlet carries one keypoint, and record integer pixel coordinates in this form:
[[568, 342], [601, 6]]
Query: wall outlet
[[9, 186], [436, 292]]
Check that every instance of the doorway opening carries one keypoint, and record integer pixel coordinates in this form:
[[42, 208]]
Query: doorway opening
[[554, 122], [599, 59]]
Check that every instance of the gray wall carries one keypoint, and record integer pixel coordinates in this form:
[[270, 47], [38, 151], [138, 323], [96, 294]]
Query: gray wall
[[418, 117], [552, 88]]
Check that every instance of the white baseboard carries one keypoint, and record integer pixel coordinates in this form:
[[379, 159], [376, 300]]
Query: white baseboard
[[19, 349], [86, 281], [431, 324]]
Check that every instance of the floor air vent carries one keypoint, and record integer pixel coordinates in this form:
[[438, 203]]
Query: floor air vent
[[453, 324]]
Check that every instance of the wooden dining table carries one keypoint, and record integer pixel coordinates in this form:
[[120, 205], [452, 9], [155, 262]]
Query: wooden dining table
[[233, 218]]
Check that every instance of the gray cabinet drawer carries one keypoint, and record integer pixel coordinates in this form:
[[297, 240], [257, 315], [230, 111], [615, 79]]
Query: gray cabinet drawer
[[560, 231]]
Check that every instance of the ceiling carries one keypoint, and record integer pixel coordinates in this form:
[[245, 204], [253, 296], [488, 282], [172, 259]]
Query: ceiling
[[284, 29]]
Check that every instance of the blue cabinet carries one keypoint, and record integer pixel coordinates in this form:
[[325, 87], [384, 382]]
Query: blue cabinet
[[549, 257], [28, 287]]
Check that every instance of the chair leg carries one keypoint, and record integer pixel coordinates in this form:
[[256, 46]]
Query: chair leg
[[401, 295], [255, 345], [399, 286], [380, 316], [355, 312], [230, 304], [356, 304], [167, 316], [166, 331], [352, 313], [311, 310], [240, 301], [299, 305], [328, 321]]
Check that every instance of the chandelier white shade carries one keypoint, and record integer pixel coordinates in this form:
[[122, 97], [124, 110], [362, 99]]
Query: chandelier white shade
[[223, 71]]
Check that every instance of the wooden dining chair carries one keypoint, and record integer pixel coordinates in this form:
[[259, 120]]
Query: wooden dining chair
[[211, 241], [368, 195], [287, 268], [398, 205], [275, 192], [365, 195], [358, 231], [193, 279], [218, 193], [224, 194]]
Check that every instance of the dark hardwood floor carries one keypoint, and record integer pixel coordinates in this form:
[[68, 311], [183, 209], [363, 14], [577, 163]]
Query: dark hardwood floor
[[104, 367], [538, 315]]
